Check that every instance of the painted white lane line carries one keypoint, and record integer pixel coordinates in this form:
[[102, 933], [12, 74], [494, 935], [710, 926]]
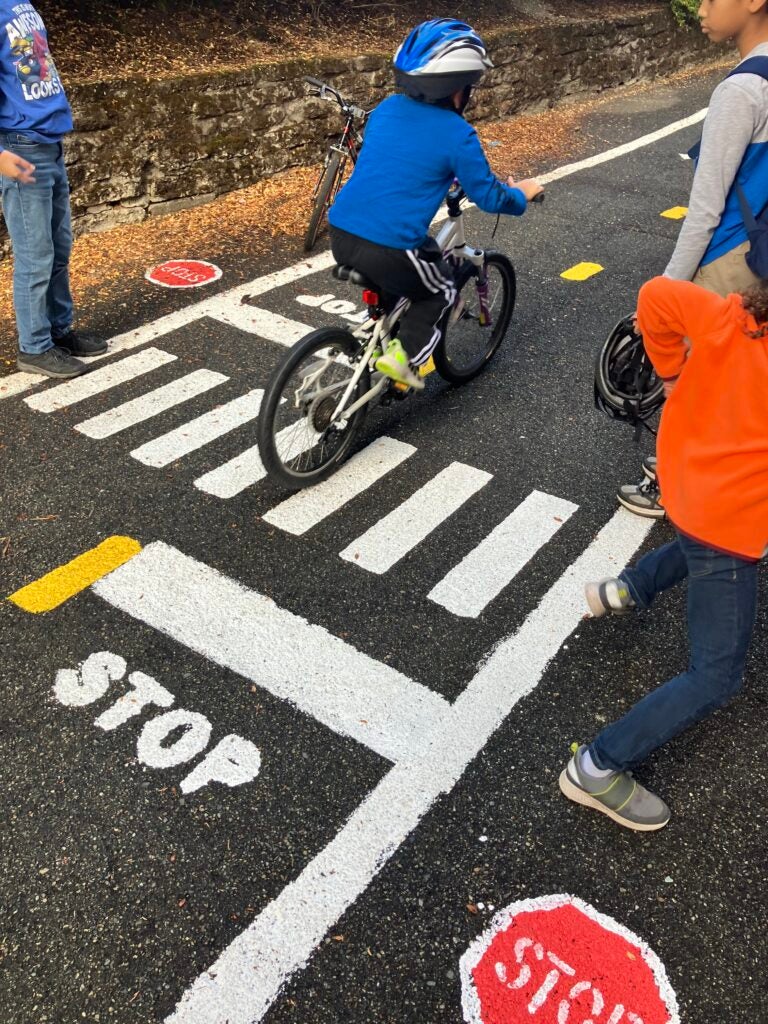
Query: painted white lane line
[[246, 469], [241, 985], [306, 509], [392, 537], [270, 326], [627, 147], [164, 450], [303, 664], [488, 568], [97, 381], [137, 410]]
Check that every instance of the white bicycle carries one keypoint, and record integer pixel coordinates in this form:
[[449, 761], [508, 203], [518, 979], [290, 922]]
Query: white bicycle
[[318, 395]]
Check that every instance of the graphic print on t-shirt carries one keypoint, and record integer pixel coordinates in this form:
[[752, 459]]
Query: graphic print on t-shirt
[[32, 59]]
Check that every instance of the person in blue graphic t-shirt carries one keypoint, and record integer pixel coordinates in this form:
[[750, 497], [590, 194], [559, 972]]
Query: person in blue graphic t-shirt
[[34, 119]]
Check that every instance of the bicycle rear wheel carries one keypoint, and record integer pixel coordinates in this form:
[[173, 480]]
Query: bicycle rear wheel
[[298, 443], [323, 199], [478, 322]]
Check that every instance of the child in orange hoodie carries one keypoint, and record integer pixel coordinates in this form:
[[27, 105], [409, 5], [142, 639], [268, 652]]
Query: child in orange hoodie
[[713, 469]]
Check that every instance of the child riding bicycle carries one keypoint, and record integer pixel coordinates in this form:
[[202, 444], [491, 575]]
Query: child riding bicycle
[[416, 143]]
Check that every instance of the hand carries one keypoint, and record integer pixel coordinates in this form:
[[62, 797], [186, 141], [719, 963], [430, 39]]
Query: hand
[[669, 386], [15, 167], [529, 187]]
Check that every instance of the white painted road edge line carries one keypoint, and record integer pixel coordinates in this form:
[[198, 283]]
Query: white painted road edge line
[[248, 976], [304, 664], [307, 508], [391, 538], [18, 382], [489, 567]]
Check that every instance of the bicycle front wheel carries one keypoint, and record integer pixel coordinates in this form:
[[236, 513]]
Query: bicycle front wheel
[[477, 324], [300, 442], [323, 199]]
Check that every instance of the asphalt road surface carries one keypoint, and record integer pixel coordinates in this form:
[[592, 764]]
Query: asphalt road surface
[[253, 769]]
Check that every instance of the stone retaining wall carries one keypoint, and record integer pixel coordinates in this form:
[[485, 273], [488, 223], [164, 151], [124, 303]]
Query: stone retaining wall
[[145, 148]]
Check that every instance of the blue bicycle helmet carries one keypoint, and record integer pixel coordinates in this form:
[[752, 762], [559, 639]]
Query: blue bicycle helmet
[[439, 58]]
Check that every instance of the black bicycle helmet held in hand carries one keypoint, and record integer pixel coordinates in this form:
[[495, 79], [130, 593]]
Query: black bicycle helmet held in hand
[[626, 385]]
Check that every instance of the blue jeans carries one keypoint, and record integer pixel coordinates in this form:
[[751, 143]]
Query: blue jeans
[[40, 225], [722, 605]]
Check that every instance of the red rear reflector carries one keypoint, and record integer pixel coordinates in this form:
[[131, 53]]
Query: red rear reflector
[[371, 298]]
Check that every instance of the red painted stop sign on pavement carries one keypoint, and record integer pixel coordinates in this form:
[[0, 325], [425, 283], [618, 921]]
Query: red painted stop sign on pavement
[[183, 274], [556, 960]]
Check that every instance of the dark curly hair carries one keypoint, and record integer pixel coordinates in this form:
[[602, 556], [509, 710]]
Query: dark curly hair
[[756, 302]]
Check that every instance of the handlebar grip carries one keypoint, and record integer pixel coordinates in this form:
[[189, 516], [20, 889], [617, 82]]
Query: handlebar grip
[[314, 82], [539, 198]]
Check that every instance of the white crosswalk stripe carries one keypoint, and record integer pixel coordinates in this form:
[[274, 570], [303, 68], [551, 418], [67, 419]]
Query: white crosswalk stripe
[[312, 669], [167, 448], [97, 381], [390, 539], [489, 567], [137, 410], [306, 509], [246, 469]]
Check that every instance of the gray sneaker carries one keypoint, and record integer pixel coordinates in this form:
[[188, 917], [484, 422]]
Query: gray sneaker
[[642, 499], [54, 362], [649, 467], [609, 595], [618, 795]]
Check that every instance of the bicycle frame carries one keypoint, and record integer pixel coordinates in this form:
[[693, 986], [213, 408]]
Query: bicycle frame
[[375, 333]]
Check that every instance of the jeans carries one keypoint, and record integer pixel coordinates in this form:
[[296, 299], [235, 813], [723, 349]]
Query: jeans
[[40, 225], [722, 605]]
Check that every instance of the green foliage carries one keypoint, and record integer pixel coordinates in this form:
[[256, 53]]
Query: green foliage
[[685, 11]]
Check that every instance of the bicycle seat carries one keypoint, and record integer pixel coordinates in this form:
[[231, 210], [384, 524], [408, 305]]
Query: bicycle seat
[[342, 273]]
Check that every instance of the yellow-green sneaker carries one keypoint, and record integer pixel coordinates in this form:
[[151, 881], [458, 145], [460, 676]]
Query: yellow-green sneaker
[[394, 364]]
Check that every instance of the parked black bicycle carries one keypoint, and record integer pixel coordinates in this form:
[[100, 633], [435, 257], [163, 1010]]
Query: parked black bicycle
[[332, 174]]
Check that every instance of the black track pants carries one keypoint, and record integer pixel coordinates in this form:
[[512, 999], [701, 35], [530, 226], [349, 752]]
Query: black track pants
[[420, 275]]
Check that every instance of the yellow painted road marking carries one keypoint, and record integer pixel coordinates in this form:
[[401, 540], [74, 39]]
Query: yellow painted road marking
[[582, 271], [60, 584], [675, 212], [427, 368]]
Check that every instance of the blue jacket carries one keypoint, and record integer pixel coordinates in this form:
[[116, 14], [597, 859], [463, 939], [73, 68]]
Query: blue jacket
[[32, 98], [411, 154]]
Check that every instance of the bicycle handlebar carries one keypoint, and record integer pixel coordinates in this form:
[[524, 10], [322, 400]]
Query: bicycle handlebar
[[324, 91]]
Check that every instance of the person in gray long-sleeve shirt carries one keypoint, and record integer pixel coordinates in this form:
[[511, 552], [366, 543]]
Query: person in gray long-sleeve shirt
[[712, 243]]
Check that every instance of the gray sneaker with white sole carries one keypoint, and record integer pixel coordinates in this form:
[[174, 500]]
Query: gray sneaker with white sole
[[642, 499], [618, 795]]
